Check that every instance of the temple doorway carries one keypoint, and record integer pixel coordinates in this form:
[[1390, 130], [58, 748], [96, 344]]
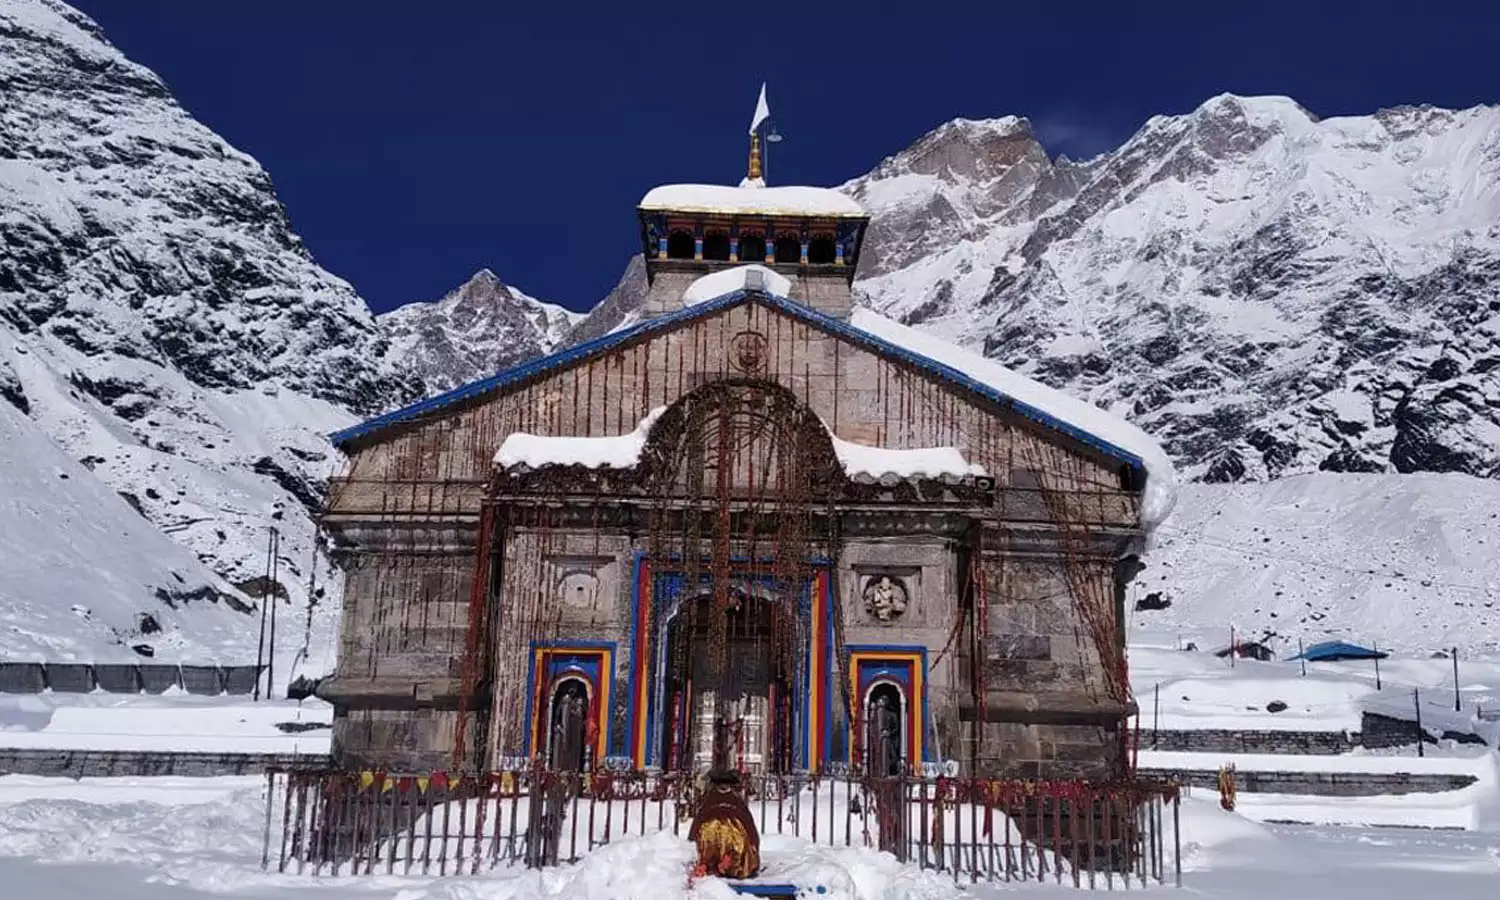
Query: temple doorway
[[885, 730], [730, 707], [567, 726]]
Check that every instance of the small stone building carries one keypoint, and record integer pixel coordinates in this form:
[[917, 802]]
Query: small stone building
[[757, 526]]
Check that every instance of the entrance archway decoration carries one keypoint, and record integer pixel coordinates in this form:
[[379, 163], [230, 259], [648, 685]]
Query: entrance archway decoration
[[742, 478], [593, 665], [904, 668]]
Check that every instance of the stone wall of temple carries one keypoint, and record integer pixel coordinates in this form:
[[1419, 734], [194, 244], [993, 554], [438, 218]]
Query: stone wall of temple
[[828, 292]]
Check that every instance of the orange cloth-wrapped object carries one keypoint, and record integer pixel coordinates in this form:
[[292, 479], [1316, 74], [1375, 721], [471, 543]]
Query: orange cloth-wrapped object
[[728, 841]]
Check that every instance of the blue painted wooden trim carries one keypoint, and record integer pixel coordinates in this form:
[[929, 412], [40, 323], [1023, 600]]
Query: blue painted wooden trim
[[829, 324], [634, 643]]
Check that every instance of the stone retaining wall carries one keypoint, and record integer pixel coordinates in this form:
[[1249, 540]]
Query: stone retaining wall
[[1379, 731], [1328, 784], [1299, 743], [118, 763], [125, 678]]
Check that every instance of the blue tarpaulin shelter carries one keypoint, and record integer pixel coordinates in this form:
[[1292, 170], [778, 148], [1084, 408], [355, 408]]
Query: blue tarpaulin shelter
[[1330, 651]]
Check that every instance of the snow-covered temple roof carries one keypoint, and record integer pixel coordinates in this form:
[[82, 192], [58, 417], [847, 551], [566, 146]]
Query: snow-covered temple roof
[[1078, 418], [790, 200]]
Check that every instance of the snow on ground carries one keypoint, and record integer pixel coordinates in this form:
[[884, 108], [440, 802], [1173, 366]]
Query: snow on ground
[[1196, 689], [81, 568], [1410, 562], [175, 839], [174, 721]]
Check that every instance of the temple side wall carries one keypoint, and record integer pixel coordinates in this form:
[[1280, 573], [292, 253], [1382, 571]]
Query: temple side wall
[[1048, 711]]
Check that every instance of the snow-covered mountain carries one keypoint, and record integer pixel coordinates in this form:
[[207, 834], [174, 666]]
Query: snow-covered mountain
[[482, 327], [1266, 292], [161, 324]]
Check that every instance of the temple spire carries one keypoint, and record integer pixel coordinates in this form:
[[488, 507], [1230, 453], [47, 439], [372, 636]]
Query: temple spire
[[754, 173], [753, 176]]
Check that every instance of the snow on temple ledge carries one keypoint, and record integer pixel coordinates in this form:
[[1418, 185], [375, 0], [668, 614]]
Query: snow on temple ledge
[[792, 200], [520, 450], [739, 278], [532, 451], [623, 451]]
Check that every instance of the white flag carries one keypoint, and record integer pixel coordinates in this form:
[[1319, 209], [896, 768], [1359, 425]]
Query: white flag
[[762, 111]]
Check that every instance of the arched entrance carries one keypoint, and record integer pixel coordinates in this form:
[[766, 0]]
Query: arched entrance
[[567, 725], [885, 729], [743, 473], [716, 245], [736, 715], [752, 248]]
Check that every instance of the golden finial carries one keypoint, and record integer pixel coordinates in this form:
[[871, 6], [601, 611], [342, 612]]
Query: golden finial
[[754, 157]]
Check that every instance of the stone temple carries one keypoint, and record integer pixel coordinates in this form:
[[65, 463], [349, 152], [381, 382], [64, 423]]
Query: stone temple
[[756, 525]]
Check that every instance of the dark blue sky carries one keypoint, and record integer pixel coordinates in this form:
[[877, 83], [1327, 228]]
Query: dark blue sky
[[416, 142]]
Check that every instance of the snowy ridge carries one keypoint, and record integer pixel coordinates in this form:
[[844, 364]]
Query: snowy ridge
[[482, 327], [162, 327], [72, 542], [1265, 292]]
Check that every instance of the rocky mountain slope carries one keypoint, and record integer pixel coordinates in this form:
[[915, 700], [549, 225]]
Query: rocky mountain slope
[[1407, 561], [161, 324], [478, 329], [1265, 292]]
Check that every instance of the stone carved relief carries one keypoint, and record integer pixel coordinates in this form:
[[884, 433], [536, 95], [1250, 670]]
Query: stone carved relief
[[582, 581], [748, 351], [885, 598], [580, 589]]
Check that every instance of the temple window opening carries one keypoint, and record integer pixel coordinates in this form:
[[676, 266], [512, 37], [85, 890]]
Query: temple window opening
[[680, 245]]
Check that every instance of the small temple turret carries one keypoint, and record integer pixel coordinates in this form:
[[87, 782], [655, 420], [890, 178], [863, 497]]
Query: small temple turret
[[809, 235]]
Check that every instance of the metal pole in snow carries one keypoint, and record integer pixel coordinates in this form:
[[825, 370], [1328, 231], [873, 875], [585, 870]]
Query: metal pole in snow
[[271, 641], [1176, 838], [1232, 648], [1416, 696], [1302, 655], [1457, 705], [1155, 713], [260, 642], [1376, 647]]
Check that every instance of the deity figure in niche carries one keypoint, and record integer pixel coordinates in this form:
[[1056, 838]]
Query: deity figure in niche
[[885, 598]]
